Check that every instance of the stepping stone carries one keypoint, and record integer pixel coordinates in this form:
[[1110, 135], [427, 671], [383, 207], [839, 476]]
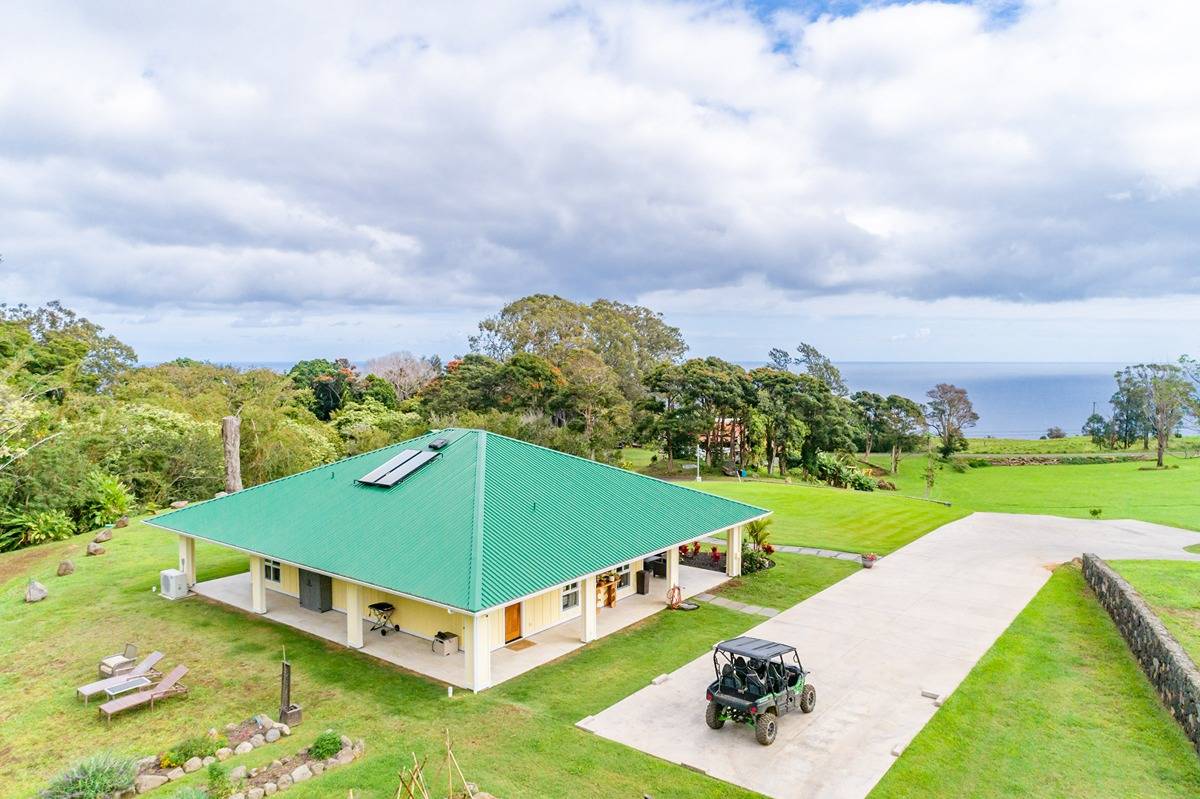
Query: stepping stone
[[768, 612], [752, 609], [704, 597]]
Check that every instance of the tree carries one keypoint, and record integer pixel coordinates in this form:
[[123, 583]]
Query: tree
[[949, 412], [1169, 400], [904, 426], [1098, 429], [822, 368], [331, 383], [1055, 432], [723, 393], [527, 382], [872, 410], [71, 345], [1131, 408], [780, 359], [468, 384], [407, 373], [592, 393], [778, 406], [666, 416]]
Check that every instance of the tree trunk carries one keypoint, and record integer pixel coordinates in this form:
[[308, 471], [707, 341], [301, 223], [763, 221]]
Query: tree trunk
[[895, 457], [869, 442], [231, 434], [1162, 447]]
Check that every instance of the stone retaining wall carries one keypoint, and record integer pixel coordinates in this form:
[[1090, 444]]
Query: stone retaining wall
[[1170, 669]]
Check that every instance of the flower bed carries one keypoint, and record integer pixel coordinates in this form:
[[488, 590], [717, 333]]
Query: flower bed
[[197, 753]]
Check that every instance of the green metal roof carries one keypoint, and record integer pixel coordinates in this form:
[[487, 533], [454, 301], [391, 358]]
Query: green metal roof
[[490, 520]]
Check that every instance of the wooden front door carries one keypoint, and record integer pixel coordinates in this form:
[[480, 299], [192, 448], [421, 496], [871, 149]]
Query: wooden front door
[[512, 622]]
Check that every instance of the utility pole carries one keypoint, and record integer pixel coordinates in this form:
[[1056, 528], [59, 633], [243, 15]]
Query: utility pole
[[231, 434]]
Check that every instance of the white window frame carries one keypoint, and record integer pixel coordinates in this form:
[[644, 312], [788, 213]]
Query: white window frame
[[624, 576], [568, 591], [272, 567]]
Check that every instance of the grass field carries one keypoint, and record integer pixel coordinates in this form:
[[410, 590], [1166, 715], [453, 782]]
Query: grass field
[[834, 518], [516, 740], [1120, 490], [1172, 589], [1065, 446], [1057, 707]]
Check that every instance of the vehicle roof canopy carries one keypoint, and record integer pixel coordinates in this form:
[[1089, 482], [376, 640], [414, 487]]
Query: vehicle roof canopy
[[755, 648]]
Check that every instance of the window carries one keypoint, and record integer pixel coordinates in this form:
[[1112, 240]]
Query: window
[[570, 596], [271, 570], [623, 576]]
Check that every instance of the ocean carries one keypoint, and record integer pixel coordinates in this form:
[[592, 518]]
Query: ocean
[[1013, 400]]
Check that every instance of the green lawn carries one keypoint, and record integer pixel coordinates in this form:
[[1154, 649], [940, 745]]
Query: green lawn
[[834, 518], [638, 457], [516, 740], [1172, 589], [1062, 446], [794, 577], [1120, 490], [1056, 708]]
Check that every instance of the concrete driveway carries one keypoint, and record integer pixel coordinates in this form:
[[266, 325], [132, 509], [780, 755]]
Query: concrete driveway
[[874, 642]]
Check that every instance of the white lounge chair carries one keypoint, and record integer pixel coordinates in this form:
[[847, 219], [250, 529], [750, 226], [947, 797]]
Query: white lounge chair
[[143, 669]]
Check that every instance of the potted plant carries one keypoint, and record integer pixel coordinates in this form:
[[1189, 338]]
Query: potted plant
[[868, 559]]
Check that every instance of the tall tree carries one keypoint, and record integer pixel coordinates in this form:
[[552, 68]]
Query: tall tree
[[407, 373], [949, 413], [1131, 408], [822, 368], [1169, 400], [779, 407], [872, 410], [904, 425]]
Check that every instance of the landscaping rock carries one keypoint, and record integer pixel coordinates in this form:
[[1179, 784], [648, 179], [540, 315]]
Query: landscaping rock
[[35, 592], [257, 741], [254, 771], [301, 773], [148, 782], [102, 536], [276, 764], [317, 768], [283, 728], [272, 735], [193, 764], [238, 796], [255, 793], [65, 568], [243, 748], [179, 503], [121, 522], [332, 763], [237, 773], [262, 721], [269, 789], [224, 753], [346, 742], [208, 761], [230, 727], [146, 763], [345, 756], [94, 549], [285, 782], [175, 774]]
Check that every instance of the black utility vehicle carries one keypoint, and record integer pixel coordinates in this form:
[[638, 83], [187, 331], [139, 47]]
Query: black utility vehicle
[[757, 682]]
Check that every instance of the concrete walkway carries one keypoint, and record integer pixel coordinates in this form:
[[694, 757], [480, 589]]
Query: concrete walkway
[[880, 645]]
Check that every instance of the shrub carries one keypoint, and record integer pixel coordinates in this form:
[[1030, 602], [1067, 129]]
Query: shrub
[[200, 746], [219, 785], [328, 744], [715, 555], [109, 500], [754, 559], [683, 550], [695, 548], [758, 531], [35, 527], [1096, 512], [885, 485], [92, 778]]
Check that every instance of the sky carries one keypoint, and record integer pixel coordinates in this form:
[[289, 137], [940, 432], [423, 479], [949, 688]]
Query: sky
[[890, 181]]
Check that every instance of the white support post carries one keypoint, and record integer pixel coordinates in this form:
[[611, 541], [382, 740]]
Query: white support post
[[587, 609], [258, 586], [354, 616], [672, 568], [479, 653], [733, 552], [187, 559]]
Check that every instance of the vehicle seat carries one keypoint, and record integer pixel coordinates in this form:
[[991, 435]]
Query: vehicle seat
[[754, 686], [729, 679]]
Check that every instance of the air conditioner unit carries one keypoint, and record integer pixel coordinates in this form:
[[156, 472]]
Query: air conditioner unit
[[173, 583]]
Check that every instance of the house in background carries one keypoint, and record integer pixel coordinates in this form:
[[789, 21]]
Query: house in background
[[522, 552]]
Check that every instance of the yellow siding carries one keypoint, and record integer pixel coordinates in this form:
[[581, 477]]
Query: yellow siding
[[289, 579], [541, 611], [413, 617]]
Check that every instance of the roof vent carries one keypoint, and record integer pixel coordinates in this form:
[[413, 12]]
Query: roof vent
[[438, 443]]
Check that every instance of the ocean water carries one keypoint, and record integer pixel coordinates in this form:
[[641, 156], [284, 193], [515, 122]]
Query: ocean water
[[1013, 400]]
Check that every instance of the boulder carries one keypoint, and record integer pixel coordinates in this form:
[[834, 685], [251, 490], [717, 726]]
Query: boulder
[[175, 774], [263, 721], [269, 788], [285, 729], [121, 522], [94, 549], [257, 740], [148, 782], [255, 793], [285, 782], [275, 764], [243, 748], [301, 773], [146, 763], [102, 536], [65, 568], [237, 773], [35, 592], [179, 503], [346, 742], [208, 761], [224, 753], [345, 756], [318, 768], [272, 735], [193, 764], [332, 763]]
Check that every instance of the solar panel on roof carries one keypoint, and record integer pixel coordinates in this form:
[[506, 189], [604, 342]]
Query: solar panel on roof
[[387, 466], [406, 468]]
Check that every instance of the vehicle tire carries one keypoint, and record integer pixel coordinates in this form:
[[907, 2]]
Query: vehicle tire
[[712, 716], [808, 699], [764, 728]]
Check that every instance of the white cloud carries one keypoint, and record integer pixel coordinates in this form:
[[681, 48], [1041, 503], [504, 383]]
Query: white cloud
[[378, 158]]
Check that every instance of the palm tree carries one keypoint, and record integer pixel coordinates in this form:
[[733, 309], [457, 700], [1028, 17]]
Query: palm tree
[[759, 531]]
